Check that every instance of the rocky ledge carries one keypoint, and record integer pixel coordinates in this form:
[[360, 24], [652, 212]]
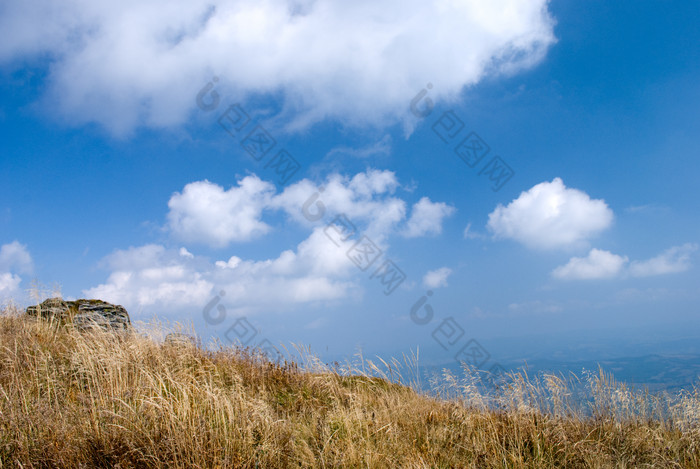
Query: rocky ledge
[[84, 314]]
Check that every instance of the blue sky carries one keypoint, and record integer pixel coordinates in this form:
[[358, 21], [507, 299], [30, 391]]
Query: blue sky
[[116, 184]]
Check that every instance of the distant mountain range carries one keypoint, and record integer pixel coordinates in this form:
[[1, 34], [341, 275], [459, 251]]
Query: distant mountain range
[[640, 356], [654, 372]]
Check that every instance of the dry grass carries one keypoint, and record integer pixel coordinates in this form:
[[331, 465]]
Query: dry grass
[[70, 399]]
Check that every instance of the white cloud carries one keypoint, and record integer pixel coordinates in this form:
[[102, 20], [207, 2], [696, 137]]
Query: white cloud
[[604, 264], [378, 149], [598, 264], [9, 284], [436, 278], [550, 216], [14, 259], [426, 218], [142, 62], [317, 270], [366, 198], [150, 275], [536, 307], [157, 280], [673, 260], [471, 234], [206, 213], [14, 256]]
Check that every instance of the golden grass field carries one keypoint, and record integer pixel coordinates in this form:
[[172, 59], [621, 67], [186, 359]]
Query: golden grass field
[[99, 399]]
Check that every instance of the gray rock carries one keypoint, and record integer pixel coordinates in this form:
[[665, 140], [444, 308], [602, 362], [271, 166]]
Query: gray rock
[[52, 308], [84, 314]]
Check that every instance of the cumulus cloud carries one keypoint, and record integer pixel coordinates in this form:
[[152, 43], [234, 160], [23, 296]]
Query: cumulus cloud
[[366, 198], [14, 260], [158, 280], [604, 264], [15, 256], [9, 284], [549, 216], [426, 218], [142, 62], [673, 260], [598, 264], [151, 275], [206, 213], [436, 278], [155, 278]]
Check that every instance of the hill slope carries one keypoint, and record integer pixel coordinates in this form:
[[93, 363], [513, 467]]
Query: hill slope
[[70, 399]]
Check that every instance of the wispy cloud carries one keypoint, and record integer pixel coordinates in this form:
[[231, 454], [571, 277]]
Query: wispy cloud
[[598, 264], [673, 260], [469, 233], [380, 148], [604, 264], [436, 278]]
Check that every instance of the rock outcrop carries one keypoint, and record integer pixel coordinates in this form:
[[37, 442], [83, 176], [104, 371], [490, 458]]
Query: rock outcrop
[[83, 314]]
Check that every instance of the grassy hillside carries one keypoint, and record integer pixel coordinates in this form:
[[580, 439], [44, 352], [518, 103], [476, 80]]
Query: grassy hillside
[[71, 399]]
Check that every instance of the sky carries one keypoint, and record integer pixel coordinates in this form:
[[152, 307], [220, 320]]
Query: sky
[[474, 180]]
